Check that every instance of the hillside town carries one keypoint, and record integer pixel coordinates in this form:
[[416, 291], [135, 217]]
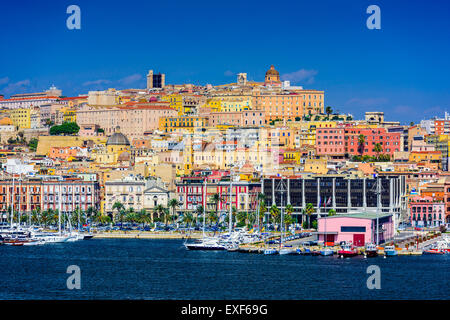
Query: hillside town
[[178, 150]]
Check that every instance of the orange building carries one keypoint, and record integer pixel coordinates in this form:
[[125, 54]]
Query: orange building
[[290, 106]]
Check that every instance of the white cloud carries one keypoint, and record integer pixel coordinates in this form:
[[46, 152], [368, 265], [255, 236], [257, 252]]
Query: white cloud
[[130, 79], [228, 73], [16, 87], [302, 75], [366, 102]]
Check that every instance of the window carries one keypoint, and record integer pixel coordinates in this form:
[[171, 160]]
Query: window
[[353, 229]]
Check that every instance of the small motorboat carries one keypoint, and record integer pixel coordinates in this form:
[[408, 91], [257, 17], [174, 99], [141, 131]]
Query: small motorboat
[[434, 251], [371, 250], [287, 251], [347, 251], [326, 252], [269, 251], [390, 251]]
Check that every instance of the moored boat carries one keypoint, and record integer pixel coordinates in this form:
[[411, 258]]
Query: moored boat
[[390, 251], [347, 251], [287, 251], [269, 251], [205, 244], [326, 252], [371, 250]]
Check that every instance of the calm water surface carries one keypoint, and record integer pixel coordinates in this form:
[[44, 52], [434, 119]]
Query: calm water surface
[[164, 269]]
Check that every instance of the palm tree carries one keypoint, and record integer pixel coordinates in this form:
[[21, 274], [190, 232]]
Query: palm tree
[[274, 212], [173, 203], [361, 142], [167, 216], [159, 210], [188, 218], [198, 212], [262, 209], [216, 198], [309, 210], [130, 215], [213, 217], [288, 220], [117, 206], [45, 217], [328, 111], [90, 212], [378, 148], [144, 217], [36, 216], [289, 210], [242, 217]]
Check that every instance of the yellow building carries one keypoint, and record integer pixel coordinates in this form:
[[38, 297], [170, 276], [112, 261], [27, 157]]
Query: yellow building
[[181, 124], [214, 104], [235, 104], [21, 118], [318, 166], [175, 101], [69, 114], [426, 156]]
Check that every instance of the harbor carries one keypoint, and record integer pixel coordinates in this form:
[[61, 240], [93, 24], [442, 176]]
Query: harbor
[[164, 269]]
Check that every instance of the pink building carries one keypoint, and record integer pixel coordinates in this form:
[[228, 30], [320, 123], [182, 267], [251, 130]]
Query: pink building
[[245, 118], [359, 228], [90, 130], [330, 142], [389, 141], [134, 120], [426, 211]]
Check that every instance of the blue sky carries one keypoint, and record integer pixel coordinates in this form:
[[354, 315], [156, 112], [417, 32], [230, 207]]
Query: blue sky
[[402, 69]]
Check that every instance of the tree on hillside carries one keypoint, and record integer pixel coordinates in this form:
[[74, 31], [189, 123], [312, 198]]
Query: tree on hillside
[[67, 128]]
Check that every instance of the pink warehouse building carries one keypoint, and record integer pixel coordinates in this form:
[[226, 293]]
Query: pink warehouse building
[[358, 228]]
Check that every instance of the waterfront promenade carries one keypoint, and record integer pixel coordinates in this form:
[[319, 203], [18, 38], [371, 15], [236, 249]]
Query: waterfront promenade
[[147, 235]]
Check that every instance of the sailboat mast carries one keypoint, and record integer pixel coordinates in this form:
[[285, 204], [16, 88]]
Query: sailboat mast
[[282, 218], [230, 222], [204, 208], [12, 202], [20, 196], [378, 204], [59, 210]]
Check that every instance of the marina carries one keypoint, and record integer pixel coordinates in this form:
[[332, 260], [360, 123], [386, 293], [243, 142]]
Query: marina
[[164, 269]]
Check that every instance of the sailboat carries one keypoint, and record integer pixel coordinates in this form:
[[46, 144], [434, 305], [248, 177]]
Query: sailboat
[[283, 249], [206, 243]]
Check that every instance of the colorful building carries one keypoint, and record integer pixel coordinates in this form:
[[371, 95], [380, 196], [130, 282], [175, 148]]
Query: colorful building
[[359, 228], [426, 212]]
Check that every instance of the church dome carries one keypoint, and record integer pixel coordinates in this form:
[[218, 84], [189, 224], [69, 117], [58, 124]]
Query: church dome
[[272, 72], [118, 139]]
